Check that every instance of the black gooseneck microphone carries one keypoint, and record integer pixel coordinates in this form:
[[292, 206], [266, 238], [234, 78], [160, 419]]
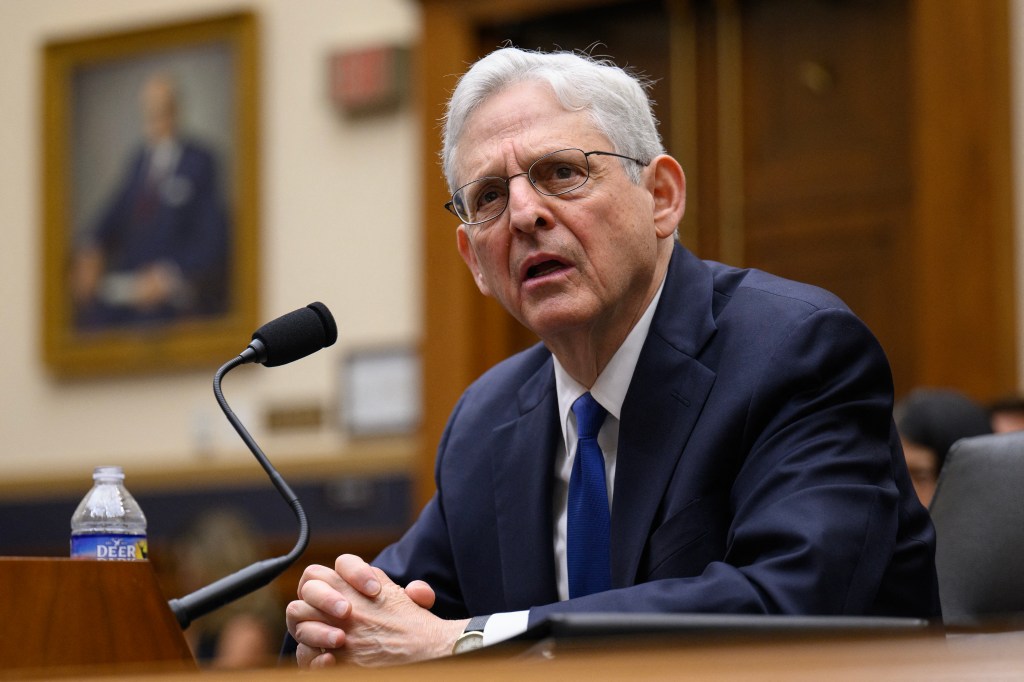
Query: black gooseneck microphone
[[288, 338]]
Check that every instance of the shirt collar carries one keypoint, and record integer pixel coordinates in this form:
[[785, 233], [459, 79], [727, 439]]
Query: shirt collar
[[609, 390], [164, 157]]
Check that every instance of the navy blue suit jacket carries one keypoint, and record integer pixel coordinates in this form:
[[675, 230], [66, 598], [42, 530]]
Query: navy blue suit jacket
[[758, 470]]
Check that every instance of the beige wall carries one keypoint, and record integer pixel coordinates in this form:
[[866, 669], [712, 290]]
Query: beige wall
[[338, 224]]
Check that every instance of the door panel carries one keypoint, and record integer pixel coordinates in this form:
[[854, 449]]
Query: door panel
[[827, 193]]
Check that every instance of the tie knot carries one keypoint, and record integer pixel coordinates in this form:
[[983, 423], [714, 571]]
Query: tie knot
[[589, 416]]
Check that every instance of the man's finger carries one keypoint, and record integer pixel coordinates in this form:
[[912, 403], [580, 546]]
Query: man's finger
[[322, 596], [317, 635], [299, 611], [421, 593], [314, 657], [358, 574], [315, 572]]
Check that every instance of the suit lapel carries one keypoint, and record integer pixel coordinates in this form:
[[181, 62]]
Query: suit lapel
[[665, 398], [524, 484]]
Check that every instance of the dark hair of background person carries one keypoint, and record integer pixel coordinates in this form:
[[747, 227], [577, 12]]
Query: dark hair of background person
[[929, 421]]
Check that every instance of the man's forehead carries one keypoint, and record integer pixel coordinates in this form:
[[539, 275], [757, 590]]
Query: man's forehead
[[520, 124]]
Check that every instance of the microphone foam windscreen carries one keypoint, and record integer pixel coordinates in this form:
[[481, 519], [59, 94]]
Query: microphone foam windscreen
[[297, 334]]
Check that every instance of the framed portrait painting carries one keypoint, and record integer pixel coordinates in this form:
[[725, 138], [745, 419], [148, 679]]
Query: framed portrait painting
[[149, 192]]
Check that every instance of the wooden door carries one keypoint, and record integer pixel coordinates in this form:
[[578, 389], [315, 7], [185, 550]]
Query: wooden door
[[820, 186]]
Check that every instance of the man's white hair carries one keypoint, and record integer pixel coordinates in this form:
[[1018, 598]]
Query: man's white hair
[[616, 100]]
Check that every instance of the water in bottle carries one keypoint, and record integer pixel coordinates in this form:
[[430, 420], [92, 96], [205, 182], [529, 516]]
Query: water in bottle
[[108, 523]]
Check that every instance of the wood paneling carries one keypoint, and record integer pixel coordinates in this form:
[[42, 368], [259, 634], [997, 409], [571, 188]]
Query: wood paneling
[[827, 153], [963, 298]]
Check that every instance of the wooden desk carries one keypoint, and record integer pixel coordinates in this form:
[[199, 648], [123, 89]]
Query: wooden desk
[[988, 657], [59, 616]]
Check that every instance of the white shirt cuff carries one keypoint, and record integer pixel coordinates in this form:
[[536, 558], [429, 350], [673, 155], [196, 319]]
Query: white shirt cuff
[[502, 626]]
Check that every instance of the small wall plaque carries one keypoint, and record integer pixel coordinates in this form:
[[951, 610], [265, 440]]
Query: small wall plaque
[[381, 392]]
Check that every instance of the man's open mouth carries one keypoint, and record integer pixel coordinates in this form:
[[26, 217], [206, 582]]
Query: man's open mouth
[[544, 268]]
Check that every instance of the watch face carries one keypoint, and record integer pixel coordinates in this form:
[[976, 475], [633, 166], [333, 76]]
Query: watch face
[[468, 641]]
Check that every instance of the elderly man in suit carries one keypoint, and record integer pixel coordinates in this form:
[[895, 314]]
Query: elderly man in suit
[[689, 437]]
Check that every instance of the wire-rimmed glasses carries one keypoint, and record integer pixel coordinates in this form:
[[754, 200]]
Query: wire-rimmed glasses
[[553, 174]]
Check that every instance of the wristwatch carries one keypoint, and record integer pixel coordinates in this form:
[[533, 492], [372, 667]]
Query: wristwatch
[[472, 637]]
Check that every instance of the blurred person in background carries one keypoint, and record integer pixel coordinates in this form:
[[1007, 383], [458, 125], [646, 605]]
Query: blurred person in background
[[1007, 414], [929, 421], [247, 632]]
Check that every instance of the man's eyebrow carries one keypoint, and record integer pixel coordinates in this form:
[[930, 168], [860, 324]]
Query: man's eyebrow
[[490, 173], [531, 159]]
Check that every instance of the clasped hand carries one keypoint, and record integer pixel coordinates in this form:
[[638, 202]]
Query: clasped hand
[[356, 613]]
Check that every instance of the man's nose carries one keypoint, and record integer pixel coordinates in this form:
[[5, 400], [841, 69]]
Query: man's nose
[[526, 206]]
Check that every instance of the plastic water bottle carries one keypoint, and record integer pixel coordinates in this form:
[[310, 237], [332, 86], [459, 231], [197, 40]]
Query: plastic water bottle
[[108, 523]]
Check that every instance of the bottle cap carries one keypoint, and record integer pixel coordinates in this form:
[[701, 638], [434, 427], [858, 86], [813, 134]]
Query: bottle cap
[[108, 471]]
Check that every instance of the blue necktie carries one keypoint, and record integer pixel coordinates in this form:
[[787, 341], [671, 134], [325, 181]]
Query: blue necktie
[[588, 550]]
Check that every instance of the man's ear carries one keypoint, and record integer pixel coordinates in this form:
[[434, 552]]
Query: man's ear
[[468, 253], [668, 187]]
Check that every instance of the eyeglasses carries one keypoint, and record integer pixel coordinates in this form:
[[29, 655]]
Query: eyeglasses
[[552, 174]]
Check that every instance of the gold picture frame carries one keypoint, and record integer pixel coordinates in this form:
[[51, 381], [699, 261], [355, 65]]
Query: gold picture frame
[[149, 197]]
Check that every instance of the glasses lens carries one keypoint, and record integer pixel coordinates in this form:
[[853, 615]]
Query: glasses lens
[[481, 199], [560, 172]]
